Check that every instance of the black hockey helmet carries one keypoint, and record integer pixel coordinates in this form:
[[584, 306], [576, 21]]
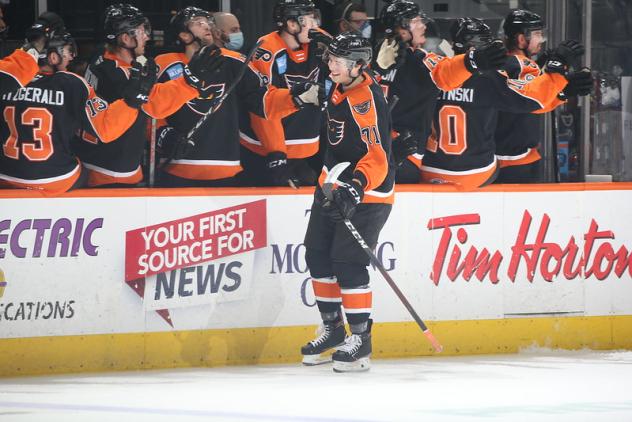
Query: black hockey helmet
[[45, 24], [285, 10], [521, 22], [180, 21], [399, 13], [50, 26], [353, 47], [123, 18], [469, 32]]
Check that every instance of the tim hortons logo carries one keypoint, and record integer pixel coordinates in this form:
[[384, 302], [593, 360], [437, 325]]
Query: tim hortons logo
[[593, 255]]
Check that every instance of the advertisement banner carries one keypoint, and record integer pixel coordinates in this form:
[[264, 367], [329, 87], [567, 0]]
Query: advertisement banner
[[101, 265]]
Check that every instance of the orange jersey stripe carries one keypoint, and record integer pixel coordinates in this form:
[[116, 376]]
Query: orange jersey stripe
[[531, 156], [54, 187], [105, 177], [359, 300], [326, 289], [374, 164], [466, 181], [20, 65], [200, 171], [447, 73]]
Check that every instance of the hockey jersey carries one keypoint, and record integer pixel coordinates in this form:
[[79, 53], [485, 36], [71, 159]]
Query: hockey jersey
[[216, 151], [416, 84], [518, 134], [39, 121], [16, 70], [296, 135], [462, 138], [359, 131], [120, 162]]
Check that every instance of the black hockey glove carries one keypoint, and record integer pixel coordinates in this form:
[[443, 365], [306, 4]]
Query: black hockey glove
[[346, 198], [490, 56], [142, 78], [404, 145], [579, 83], [306, 93], [203, 67], [278, 170], [563, 56], [319, 42], [172, 144]]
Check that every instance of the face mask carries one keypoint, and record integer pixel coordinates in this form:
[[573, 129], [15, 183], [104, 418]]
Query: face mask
[[366, 30], [235, 41]]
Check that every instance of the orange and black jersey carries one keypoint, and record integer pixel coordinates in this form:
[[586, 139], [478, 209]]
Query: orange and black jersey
[[417, 83], [297, 134], [216, 151], [16, 70], [465, 118], [358, 131], [119, 162], [518, 134], [39, 121]]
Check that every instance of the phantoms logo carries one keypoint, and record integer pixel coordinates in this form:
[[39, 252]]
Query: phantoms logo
[[188, 262]]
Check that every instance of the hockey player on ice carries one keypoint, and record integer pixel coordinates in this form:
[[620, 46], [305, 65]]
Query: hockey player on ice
[[359, 133]]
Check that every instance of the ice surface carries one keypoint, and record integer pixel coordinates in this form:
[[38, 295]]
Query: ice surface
[[535, 385]]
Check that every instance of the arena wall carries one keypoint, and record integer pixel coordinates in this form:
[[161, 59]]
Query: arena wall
[[152, 278]]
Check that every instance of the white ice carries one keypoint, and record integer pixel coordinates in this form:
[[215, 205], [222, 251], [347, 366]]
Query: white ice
[[537, 385]]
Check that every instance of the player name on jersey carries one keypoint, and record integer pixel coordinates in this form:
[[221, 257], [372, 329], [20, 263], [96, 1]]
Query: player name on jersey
[[464, 95], [36, 95]]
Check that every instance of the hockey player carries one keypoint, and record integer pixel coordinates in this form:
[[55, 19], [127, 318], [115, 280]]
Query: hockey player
[[415, 76], [358, 132], [460, 149], [274, 151], [43, 116], [119, 163], [213, 158], [517, 134]]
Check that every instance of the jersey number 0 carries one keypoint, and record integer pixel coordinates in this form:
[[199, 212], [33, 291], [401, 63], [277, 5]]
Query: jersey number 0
[[453, 131], [40, 148]]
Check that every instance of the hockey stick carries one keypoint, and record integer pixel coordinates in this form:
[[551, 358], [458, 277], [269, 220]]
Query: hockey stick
[[330, 180], [214, 108]]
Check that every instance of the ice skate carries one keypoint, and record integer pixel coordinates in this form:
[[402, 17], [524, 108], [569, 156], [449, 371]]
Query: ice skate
[[354, 355], [330, 334]]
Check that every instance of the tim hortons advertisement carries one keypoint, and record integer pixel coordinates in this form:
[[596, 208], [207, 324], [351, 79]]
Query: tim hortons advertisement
[[71, 266]]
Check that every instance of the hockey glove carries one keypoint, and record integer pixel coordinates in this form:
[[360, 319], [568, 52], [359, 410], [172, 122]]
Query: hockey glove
[[142, 78], [306, 93], [319, 42], [203, 67], [403, 146], [490, 56], [173, 145], [391, 52], [346, 198], [562, 57], [278, 170], [579, 83]]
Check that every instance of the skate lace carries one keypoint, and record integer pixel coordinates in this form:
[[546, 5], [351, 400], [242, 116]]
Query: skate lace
[[323, 331], [352, 344]]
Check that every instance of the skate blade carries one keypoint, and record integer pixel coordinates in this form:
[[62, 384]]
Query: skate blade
[[361, 365], [313, 360]]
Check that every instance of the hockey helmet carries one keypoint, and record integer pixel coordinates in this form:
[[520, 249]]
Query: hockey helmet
[[469, 32], [285, 10], [399, 13], [521, 22], [123, 18], [180, 21], [352, 47]]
